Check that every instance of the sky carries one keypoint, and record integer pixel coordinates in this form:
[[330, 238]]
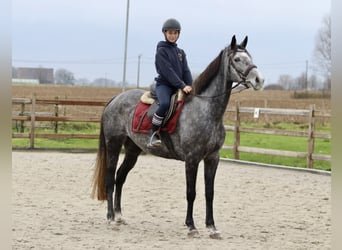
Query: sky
[[88, 37]]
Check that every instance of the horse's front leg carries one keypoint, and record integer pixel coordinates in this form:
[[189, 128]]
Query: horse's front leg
[[210, 167], [191, 176]]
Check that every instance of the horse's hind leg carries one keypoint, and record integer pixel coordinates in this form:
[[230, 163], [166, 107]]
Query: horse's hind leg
[[132, 152], [113, 151]]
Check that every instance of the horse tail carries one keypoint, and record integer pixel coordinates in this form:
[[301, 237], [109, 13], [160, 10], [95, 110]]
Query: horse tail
[[98, 183]]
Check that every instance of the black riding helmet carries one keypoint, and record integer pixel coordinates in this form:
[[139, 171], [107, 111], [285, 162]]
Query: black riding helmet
[[171, 24]]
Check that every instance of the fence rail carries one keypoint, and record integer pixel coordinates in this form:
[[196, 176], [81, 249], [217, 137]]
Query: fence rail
[[310, 134], [34, 116]]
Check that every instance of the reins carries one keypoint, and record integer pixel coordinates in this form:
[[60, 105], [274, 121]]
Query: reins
[[224, 93], [242, 75]]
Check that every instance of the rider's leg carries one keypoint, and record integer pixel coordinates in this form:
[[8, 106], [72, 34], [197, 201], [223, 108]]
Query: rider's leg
[[164, 97], [154, 132]]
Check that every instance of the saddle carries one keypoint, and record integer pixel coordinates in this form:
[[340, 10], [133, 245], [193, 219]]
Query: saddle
[[148, 104]]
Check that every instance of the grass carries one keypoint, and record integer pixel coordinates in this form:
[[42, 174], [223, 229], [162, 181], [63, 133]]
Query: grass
[[56, 143], [63, 128], [278, 142], [297, 144]]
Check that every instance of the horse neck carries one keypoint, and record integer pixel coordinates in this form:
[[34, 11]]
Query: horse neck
[[219, 90]]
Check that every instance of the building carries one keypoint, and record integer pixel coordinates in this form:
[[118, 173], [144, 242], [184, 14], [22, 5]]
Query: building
[[43, 75]]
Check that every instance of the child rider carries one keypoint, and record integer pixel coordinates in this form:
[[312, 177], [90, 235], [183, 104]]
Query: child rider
[[173, 74]]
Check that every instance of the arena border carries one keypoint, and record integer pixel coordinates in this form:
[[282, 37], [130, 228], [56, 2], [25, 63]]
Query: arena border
[[265, 165], [250, 163]]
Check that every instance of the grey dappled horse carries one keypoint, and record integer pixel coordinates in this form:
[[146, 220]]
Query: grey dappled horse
[[199, 134]]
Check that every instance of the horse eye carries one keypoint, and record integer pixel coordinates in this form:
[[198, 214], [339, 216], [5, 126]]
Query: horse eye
[[237, 59]]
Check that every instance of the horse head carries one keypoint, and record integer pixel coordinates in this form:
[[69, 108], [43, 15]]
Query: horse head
[[241, 67]]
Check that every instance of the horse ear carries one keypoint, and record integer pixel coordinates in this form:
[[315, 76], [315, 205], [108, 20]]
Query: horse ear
[[243, 44], [233, 42]]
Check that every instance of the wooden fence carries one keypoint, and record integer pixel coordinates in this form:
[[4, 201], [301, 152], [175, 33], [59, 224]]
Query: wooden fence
[[311, 134], [32, 116]]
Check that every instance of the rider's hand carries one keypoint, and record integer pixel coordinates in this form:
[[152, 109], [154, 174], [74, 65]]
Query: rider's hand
[[187, 89]]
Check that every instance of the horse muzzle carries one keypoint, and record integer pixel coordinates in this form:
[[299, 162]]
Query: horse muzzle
[[254, 79]]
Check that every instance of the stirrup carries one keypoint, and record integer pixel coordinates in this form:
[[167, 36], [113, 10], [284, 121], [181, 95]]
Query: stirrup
[[154, 140]]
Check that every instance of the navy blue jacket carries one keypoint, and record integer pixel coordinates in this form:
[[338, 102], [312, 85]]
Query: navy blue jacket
[[172, 66]]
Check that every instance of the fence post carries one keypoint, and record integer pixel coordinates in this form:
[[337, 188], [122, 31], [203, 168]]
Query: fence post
[[237, 132], [56, 115], [33, 120], [311, 139], [22, 110], [266, 115]]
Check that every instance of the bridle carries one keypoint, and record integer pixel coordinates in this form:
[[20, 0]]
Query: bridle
[[242, 74]]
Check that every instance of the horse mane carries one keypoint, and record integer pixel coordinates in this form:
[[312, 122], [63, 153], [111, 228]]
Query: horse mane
[[204, 79]]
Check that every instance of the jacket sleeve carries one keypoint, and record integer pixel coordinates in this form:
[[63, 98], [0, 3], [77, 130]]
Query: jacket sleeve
[[166, 70], [186, 71]]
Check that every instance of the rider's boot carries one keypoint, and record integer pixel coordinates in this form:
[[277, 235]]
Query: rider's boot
[[155, 140]]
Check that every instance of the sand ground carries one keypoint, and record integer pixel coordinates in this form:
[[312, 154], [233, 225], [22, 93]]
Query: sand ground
[[254, 208]]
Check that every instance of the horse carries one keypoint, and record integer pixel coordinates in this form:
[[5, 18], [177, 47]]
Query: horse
[[199, 134]]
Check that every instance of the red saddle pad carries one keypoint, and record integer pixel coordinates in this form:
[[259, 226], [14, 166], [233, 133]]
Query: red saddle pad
[[141, 123]]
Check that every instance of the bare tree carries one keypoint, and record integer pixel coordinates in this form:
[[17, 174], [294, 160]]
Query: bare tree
[[322, 52], [286, 81], [301, 81], [82, 81], [313, 82], [63, 76], [105, 82]]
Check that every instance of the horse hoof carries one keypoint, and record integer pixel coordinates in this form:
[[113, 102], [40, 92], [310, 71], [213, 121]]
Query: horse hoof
[[193, 233], [110, 217], [120, 221], [214, 234]]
